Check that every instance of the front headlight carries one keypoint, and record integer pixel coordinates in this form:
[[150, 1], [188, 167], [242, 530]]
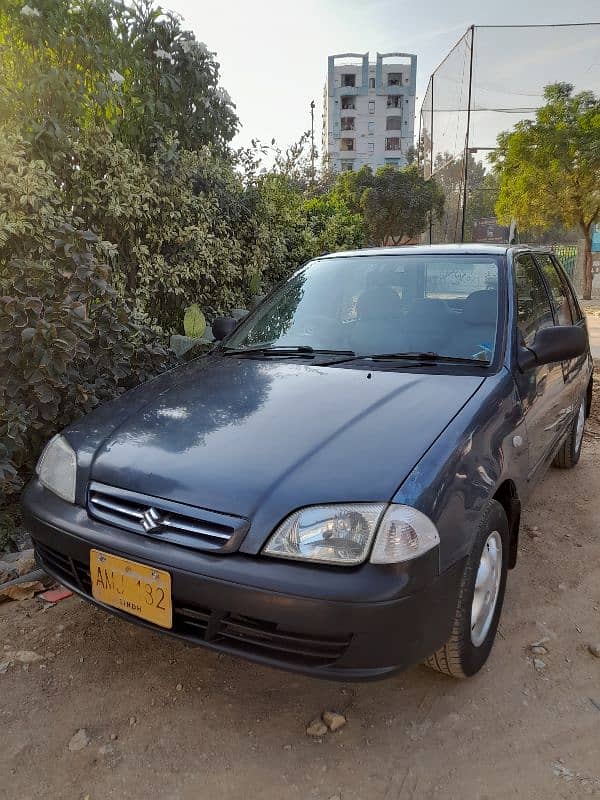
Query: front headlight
[[343, 534], [328, 534], [57, 468]]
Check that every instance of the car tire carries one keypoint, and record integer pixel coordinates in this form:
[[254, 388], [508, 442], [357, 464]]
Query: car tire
[[470, 643], [570, 449]]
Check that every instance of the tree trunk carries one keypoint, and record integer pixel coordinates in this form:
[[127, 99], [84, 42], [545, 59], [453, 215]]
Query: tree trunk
[[587, 263]]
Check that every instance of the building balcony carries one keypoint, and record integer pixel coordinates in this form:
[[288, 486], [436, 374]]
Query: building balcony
[[393, 89], [339, 91]]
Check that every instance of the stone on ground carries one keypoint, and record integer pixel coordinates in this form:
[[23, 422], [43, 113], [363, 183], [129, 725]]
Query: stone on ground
[[333, 720]]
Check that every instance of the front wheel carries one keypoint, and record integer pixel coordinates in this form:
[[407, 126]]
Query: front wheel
[[480, 599], [570, 449]]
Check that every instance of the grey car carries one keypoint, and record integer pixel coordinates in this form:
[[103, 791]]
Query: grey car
[[337, 487]]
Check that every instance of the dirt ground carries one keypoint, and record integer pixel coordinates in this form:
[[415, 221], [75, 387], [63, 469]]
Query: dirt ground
[[167, 720]]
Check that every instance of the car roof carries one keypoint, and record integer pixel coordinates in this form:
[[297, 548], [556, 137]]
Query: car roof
[[438, 249]]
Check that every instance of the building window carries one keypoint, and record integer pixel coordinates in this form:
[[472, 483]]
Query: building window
[[394, 79], [347, 144], [371, 83], [371, 106], [371, 146], [392, 162], [347, 166], [392, 143], [348, 102], [347, 123], [348, 79], [371, 126], [394, 101], [393, 124]]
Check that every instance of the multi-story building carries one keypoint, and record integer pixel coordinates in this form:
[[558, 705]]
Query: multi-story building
[[369, 110]]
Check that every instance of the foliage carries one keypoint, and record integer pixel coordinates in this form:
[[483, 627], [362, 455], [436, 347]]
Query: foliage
[[549, 168], [333, 225], [349, 188], [293, 162], [67, 342], [10, 521], [390, 206], [398, 203], [125, 107], [181, 221], [449, 172], [483, 188], [71, 65]]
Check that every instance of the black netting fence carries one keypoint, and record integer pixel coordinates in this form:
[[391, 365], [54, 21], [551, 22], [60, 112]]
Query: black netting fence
[[492, 78]]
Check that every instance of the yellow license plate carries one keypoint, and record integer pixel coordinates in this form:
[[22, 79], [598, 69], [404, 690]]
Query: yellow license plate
[[135, 588]]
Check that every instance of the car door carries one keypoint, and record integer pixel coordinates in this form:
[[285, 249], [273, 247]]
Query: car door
[[566, 312], [541, 389]]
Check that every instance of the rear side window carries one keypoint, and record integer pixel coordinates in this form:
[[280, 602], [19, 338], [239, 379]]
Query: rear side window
[[532, 302], [558, 292], [576, 311]]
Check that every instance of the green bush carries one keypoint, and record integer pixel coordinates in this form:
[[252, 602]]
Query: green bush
[[67, 342]]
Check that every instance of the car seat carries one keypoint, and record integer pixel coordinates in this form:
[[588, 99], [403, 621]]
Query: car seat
[[475, 329]]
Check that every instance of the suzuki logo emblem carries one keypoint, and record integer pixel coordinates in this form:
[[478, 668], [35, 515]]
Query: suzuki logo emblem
[[151, 520]]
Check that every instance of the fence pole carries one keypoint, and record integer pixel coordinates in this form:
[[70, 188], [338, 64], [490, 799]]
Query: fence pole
[[466, 169], [431, 167]]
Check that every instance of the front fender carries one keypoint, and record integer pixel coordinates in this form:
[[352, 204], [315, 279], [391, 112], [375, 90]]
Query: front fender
[[465, 466]]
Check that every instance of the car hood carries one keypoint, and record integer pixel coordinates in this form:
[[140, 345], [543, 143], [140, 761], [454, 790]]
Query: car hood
[[239, 434]]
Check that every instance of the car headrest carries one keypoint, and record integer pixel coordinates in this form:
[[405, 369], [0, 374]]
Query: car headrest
[[481, 307], [378, 301], [428, 307]]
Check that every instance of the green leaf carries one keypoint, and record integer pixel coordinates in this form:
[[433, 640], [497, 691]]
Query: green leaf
[[194, 322]]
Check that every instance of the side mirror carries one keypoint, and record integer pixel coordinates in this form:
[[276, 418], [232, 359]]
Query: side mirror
[[222, 327], [558, 343]]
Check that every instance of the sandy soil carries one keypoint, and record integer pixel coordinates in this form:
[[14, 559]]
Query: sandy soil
[[172, 721]]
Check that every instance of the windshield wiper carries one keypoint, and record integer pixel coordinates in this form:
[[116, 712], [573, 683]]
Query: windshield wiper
[[297, 350], [426, 358]]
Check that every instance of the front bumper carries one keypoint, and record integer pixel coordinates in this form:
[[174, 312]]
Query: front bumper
[[286, 615]]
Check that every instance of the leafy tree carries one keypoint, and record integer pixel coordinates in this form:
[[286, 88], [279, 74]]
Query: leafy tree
[[67, 66], [333, 225], [398, 203], [67, 342], [181, 222], [171, 82], [349, 188], [449, 172], [482, 196], [549, 168]]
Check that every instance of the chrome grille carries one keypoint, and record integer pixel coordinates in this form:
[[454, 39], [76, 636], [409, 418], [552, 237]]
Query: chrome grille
[[188, 526]]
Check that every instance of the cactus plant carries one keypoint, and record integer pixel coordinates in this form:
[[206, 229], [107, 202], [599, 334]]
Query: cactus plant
[[194, 322], [255, 282]]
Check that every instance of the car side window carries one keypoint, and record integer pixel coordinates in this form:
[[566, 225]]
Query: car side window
[[576, 311], [532, 302], [558, 293]]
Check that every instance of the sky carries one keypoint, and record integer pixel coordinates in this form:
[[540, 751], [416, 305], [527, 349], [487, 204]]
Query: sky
[[273, 53]]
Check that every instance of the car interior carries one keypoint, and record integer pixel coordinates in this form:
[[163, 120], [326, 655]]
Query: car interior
[[463, 327]]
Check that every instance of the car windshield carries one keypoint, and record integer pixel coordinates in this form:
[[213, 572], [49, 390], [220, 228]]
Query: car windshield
[[384, 304]]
